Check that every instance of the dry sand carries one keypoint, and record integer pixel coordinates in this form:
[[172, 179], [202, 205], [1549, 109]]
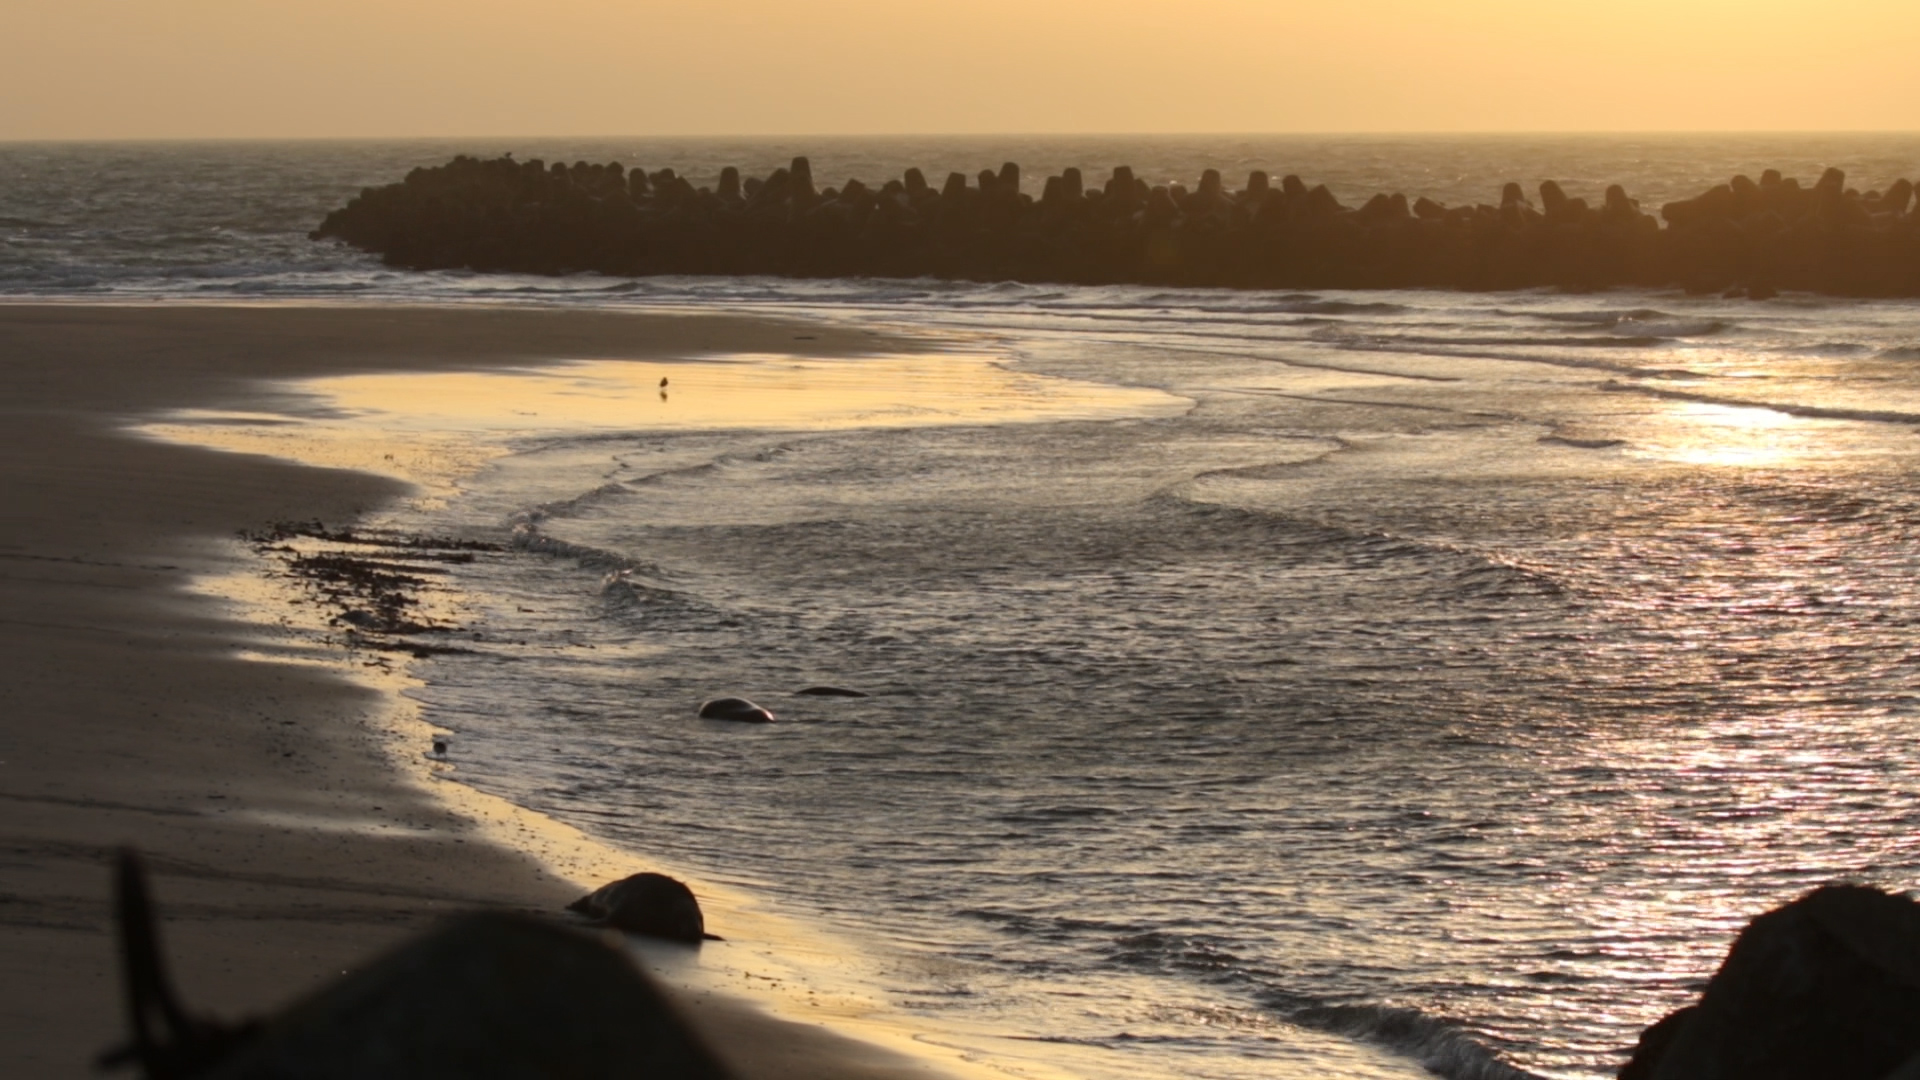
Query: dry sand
[[127, 717]]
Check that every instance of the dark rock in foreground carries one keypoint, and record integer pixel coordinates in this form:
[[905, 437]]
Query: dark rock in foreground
[[1744, 238], [483, 996], [1827, 986], [486, 996], [651, 904]]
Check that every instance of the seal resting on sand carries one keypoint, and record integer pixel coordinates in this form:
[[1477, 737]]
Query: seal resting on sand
[[651, 904], [733, 708]]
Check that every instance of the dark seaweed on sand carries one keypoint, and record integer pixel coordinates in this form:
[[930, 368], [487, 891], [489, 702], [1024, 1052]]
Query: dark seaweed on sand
[[372, 581]]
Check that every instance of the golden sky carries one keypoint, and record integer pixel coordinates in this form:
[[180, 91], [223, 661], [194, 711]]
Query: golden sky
[[300, 68]]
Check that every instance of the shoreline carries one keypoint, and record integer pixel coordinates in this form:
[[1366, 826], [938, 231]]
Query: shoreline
[[285, 845]]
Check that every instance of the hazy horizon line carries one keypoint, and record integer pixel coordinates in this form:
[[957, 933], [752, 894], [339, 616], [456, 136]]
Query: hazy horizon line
[[1660, 133]]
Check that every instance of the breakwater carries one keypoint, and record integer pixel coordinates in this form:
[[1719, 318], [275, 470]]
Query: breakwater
[[1746, 236]]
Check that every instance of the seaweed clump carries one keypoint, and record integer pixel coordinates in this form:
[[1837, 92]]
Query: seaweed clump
[[374, 583]]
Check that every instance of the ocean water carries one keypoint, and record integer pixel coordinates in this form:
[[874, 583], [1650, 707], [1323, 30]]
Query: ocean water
[[1443, 676]]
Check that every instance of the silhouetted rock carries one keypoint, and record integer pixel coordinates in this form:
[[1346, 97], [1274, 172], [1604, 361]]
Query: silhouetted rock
[[1552, 199], [1826, 986], [651, 904], [530, 217], [485, 996], [1654, 1043], [1897, 198], [800, 175]]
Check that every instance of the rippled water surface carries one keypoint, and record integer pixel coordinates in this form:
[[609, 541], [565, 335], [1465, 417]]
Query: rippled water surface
[[1448, 674], [1410, 679]]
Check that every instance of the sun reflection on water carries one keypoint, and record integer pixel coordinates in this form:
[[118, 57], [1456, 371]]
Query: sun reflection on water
[[743, 391], [432, 429], [1734, 436]]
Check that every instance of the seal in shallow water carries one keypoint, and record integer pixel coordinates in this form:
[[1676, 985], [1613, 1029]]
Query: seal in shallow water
[[829, 691], [733, 708]]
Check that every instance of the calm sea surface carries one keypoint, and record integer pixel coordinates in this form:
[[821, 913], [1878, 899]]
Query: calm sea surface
[[1446, 676]]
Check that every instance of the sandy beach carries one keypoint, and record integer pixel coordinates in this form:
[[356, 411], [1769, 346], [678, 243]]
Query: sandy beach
[[286, 848]]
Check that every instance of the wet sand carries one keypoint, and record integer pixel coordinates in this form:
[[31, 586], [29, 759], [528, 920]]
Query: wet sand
[[286, 847]]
